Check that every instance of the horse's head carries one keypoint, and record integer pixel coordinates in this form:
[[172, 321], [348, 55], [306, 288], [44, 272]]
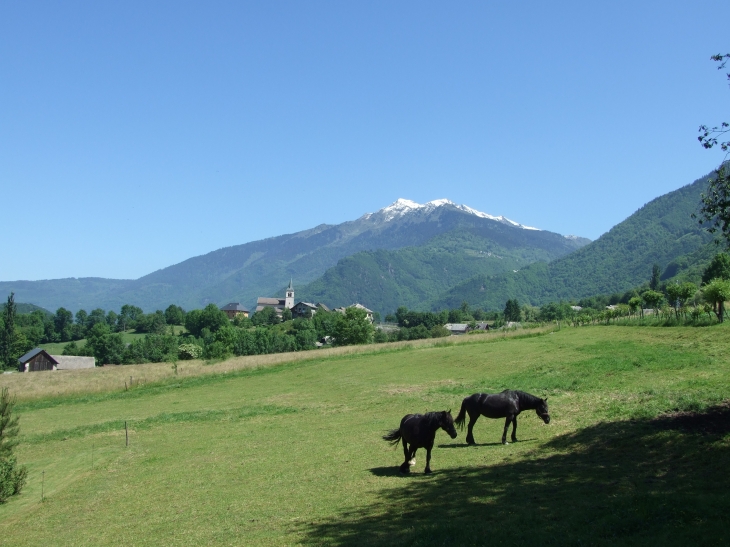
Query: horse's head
[[542, 410], [446, 422]]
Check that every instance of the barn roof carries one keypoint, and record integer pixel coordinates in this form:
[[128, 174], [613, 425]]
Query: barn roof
[[32, 353], [234, 306]]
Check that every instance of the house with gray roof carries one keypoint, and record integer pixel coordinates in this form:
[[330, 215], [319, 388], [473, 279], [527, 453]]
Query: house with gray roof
[[234, 309]]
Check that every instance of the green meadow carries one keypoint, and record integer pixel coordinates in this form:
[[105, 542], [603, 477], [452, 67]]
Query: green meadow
[[637, 452]]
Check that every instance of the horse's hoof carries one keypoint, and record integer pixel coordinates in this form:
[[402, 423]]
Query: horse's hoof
[[404, 469], [427, 472], [412, 462], [505, 442]]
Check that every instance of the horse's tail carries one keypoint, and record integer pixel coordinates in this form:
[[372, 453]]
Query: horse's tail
[[393, 437], [459, 421]]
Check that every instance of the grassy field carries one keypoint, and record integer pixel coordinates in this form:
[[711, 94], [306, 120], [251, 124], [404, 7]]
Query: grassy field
[[286, 450], [129, 336]]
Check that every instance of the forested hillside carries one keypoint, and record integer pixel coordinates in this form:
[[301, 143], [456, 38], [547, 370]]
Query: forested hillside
[[384, 280], [661, 232]]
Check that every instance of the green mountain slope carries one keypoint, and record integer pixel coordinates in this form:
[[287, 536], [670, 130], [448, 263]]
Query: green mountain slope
[[383, 280], [662, 232]]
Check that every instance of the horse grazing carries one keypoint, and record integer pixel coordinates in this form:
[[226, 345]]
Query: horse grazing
[[418, 431], [507, 404]]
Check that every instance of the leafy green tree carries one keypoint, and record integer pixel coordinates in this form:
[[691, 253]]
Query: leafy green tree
[[12, 476], [266, 316], [211, 318], [719, 267], [7, 334], [174, 315], [354, 328], [128, 317], [635, 304], [106, 347], [81, 317], [111, 319], [655, 275], [325, 323], [63, 323], [512, 310], [678, 294], [717, 292], [653, 299], [96, 316], [286, 315], [715, 208], [304, 333]]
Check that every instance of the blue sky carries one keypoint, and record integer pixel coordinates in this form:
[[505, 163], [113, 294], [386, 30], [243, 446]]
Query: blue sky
[[134, 135]]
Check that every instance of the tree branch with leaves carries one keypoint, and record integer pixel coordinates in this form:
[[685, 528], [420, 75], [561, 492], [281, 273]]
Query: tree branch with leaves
[[715, 208]]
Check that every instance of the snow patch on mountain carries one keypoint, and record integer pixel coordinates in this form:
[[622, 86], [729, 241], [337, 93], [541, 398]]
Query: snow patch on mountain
[[402, 207]]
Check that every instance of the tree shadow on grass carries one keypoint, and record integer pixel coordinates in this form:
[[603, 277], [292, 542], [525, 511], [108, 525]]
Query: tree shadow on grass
[[643, 482]]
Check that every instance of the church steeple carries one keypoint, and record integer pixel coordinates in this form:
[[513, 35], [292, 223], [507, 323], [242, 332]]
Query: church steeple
[[289, 302]]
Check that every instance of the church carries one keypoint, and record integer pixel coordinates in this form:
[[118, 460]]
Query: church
[[277, 303]]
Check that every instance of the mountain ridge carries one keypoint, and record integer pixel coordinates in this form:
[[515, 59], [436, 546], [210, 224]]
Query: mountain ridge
[[263, 267]]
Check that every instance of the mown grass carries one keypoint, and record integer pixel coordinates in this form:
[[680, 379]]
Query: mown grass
[[286, 453]]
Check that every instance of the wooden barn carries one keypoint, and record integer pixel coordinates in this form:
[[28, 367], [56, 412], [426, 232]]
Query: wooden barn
[[35, 360]]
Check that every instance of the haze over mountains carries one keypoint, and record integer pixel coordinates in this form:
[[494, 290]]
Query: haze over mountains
[[480, 243]]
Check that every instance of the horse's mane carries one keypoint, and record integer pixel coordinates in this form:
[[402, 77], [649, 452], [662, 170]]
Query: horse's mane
[[432, 418], [528, 399]]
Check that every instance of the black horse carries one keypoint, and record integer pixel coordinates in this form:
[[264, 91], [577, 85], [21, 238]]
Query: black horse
[[507, 404], [419, 431]]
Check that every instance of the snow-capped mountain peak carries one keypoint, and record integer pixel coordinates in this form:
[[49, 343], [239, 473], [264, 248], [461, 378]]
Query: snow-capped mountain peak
[[401, 207]]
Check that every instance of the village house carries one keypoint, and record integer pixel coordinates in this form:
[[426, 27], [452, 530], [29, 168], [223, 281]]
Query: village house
[[39, 359], [234, 309], [307, 309]]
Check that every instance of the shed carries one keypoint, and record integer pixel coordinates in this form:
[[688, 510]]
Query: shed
[[35, 360], [74, 362]]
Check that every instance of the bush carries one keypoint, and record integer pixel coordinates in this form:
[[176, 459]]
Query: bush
[[187, 352], [12, 478]]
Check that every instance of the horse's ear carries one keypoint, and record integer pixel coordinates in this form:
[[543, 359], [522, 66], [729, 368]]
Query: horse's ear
[[449, 411]]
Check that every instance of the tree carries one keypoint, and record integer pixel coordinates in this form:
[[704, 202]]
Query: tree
[[717, 292], [635, 304], [266, 316], [286, 314], [715, 208], [353, 328], [128, 317], [654, 281], [174, 315], [719, 267], [7, 334], [12, 476], [63, 323], [679, 294], [512, 310], [653, 299]]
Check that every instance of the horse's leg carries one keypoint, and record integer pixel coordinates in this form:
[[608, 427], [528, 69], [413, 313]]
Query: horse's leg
[[404, 468], [507, 421], [514, 429], [470, 435], [428, 460]]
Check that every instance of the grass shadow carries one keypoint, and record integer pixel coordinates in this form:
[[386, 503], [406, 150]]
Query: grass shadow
[[640, 482]]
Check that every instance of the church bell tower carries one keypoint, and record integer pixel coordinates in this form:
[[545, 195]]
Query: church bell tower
[[289, 302]]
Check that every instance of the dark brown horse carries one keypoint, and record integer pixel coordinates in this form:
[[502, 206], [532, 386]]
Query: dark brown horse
[[419, 431], [507, 404]]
